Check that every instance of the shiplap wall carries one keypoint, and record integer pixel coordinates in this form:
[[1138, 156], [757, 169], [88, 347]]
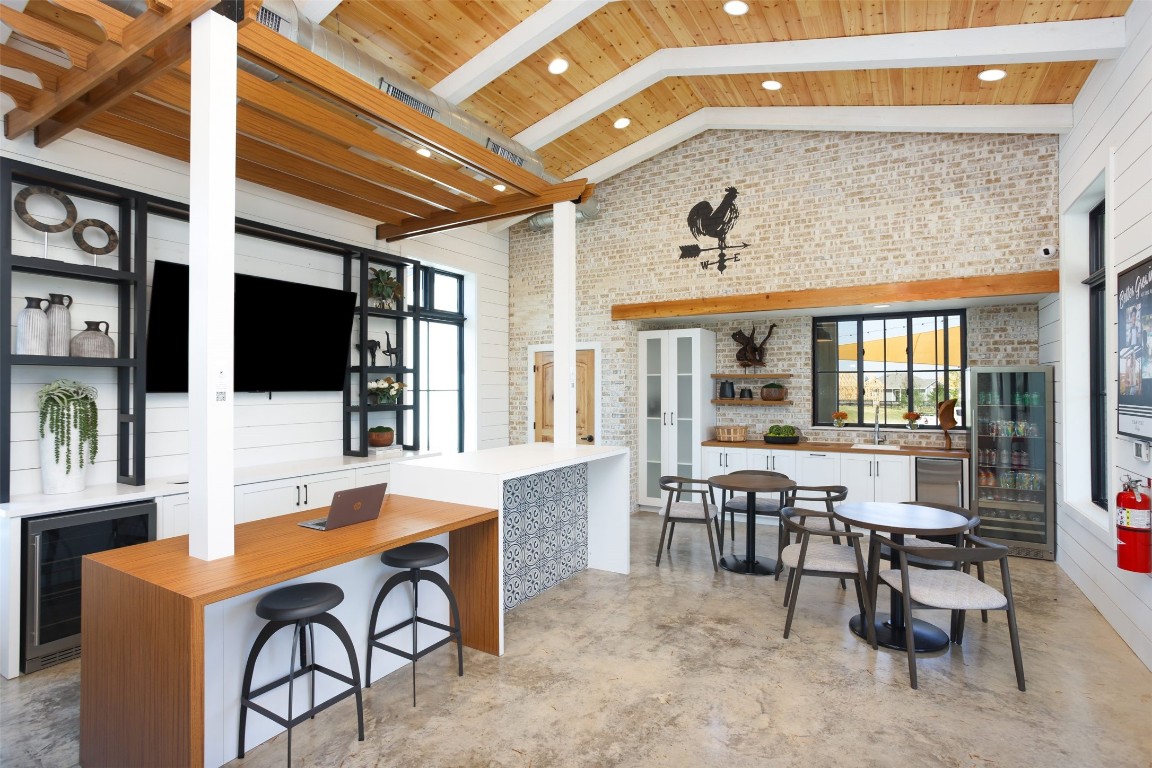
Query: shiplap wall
[[290, 426], [1111, 138]]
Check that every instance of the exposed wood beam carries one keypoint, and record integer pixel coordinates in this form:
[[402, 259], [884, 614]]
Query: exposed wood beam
[[574, 191], [1018, 284], [283, 55], [46, 71], [174, 51], [1022, 43], [295, 108], [76, 47], [144, 33], [110, 20], [21, 93], [517, 44]]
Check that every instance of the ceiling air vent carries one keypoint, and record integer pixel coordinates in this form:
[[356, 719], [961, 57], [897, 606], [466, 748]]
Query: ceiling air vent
[[507, 154], [408, 99], [269, 19]]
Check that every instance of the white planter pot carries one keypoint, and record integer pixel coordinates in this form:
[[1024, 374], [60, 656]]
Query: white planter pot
[[53, 476]]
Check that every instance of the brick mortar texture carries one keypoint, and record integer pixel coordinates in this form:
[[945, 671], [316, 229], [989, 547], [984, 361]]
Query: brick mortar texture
[[818, 210]]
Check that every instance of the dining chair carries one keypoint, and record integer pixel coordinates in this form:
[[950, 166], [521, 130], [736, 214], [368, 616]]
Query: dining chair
[[815, 553], [953, 589], [826, 495], [955, 540], [676, 510], [733, 502]]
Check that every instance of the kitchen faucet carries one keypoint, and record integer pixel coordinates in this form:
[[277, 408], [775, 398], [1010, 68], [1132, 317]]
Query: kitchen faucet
[[877, 437]]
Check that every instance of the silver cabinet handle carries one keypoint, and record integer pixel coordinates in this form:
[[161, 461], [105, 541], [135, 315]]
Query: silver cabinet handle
[[664, 418], [34, 557], [959, 493], [671, 418]]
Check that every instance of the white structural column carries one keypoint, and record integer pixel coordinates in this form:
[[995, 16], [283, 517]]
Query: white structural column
[[564, 322], [212, 258]]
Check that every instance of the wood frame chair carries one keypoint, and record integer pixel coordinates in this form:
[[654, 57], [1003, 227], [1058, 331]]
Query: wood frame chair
[[827, 495], [676, 510], [952, 588], [823, 557], [955, 540]]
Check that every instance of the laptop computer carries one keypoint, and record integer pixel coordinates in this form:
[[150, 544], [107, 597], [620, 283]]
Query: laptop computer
[[357, 505]]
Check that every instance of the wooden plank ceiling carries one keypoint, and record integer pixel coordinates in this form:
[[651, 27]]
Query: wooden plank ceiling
[[315, 131], [311, 133], [427, 40]]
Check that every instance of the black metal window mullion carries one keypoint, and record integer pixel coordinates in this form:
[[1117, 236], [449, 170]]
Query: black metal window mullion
[[1097, 345], [428, 315]]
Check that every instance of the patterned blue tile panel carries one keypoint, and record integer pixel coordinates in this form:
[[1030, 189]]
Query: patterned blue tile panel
[[545, 531]]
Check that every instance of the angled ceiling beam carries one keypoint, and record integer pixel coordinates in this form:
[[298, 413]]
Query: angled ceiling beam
[[1021, 43], [47, 72], [77, 47], [271, 50], [520, 42], [574, 191], [112, 21], [1040, 118], [172, 53], [146, 31]]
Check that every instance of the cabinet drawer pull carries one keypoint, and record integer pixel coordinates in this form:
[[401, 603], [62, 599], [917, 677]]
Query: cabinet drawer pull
[[297, 495], [305, 493]]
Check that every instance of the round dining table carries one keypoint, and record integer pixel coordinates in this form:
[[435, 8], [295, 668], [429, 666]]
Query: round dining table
[[898, 520], [750, 484]]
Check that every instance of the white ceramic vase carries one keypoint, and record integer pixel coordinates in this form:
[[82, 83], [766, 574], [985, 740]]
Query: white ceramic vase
[[53, 476]]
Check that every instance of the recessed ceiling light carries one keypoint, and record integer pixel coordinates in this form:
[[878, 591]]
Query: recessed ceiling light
[[622, 123], [499, 187], [992, 75], [558, 66], [881, 306], [772, 85], [424, 152], [735, 7]]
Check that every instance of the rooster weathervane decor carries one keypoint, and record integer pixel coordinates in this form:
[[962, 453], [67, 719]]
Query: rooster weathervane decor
[[704, 220]]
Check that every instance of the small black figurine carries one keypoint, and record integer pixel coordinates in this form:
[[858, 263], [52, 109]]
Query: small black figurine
[[389, 350], [373, 348], [751, 353]]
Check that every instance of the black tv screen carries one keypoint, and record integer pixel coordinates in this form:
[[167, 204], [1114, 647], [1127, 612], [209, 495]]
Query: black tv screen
[[288, 337]]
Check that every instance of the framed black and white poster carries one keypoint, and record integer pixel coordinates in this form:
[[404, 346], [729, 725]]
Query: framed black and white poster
[[1134, 321]]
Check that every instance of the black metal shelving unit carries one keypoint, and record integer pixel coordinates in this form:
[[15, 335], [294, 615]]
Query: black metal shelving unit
[[404, 327], [129, 277]]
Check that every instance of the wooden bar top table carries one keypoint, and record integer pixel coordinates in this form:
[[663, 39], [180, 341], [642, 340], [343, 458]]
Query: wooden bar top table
[[900, 519], [751, 485], [142, 687]]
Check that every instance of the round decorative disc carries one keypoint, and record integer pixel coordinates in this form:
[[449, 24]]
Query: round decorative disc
[[81, 227], [21, 206]]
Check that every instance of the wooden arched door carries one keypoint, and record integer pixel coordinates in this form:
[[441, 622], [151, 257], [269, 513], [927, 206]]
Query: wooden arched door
[[544, 385]]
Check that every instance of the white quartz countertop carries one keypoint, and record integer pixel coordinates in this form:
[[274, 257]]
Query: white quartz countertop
[[519, 460], [115, 493]]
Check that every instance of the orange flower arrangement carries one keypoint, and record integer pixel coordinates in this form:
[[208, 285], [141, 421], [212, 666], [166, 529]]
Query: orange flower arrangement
[[912, 416], [840, 414]]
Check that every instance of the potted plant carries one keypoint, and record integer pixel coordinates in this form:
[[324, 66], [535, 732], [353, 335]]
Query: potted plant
[[68, 430], [381, 437], [384, 289], [773, 391], [839, 418], [386, 390], [783, 434], [913, 419]]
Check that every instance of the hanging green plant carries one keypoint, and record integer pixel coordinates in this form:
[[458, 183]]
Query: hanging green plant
[[64, 405]]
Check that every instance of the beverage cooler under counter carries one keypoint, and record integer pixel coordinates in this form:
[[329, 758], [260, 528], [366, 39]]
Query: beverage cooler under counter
[[1013, 457]]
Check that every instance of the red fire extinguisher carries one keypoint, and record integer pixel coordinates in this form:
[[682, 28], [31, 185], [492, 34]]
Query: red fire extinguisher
[[1133, 528]]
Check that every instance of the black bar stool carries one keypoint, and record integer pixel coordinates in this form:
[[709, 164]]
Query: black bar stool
[[414, 557], [299, 606]]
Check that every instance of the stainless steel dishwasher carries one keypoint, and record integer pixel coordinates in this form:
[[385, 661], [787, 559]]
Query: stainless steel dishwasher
[[940, 481]]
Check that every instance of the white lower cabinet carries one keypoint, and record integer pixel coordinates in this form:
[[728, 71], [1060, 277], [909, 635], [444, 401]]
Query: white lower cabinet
[[379, 473], [876, 477], [172, 516], [256, 501], [817, 468], [720, 461], [771, 460]]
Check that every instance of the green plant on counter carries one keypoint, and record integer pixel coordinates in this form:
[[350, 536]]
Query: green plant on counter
[[66, 405], [781, 430]]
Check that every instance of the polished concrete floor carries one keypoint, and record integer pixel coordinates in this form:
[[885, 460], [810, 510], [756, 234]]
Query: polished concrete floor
[[678, 666]]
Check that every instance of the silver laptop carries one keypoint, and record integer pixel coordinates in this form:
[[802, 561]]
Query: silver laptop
[[357, 505]]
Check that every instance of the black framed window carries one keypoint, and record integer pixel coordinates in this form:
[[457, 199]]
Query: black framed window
[[876, 368], [1097, 349], [441, 360]]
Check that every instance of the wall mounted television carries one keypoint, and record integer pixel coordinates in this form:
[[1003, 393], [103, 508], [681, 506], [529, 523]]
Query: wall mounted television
[[288, 337]]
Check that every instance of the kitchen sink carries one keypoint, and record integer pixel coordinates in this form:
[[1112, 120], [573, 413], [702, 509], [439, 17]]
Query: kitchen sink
[[874, 447]]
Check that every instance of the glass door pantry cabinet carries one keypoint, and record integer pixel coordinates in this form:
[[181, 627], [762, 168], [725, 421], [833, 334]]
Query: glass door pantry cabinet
[[676, 412], [1013, 461]]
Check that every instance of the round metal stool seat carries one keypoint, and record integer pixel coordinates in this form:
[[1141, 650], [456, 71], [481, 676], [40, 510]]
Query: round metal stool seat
[[299, 601], [422, 554]]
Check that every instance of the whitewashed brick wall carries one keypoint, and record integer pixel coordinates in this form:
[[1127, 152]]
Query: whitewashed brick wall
[[818, 210]]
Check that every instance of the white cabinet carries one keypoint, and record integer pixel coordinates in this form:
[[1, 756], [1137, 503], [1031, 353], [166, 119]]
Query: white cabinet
[[876, 477], [676, 413], [720, 461], [374, 474], [172, 516], [817, 468], [772, 460], [256, 501]]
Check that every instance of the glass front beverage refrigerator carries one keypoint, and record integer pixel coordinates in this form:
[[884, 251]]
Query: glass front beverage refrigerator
[[1013, 457]]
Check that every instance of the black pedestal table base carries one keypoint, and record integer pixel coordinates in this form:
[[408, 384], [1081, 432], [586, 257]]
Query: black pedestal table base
[[927, 636], [761, 566]]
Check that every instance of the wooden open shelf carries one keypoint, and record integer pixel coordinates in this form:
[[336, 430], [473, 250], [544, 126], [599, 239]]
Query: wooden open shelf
[[751, 375], [753, 401]]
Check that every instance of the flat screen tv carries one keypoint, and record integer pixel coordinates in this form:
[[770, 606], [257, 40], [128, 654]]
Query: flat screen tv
[[288, 337]]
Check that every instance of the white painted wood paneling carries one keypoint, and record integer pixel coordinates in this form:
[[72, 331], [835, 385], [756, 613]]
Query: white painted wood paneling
[[1112, 135]]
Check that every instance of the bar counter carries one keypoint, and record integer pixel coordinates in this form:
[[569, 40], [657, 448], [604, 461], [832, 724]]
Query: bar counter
[[145, 635]]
